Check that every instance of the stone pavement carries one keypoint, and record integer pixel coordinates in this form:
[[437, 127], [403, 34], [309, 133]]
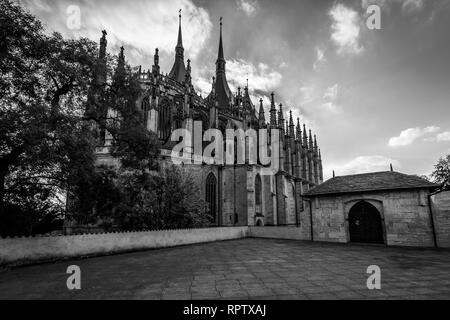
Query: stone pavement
[[241, 269]]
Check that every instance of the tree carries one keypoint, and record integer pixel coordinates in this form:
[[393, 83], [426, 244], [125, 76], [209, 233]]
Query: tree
[[43, 143], [163, 199], [441, 173], [47, 145]]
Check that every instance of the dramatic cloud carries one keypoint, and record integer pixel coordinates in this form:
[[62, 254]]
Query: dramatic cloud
[[248, 6], [345, 29], [410, 135], [139, 27], [260, 77], [362, 164]]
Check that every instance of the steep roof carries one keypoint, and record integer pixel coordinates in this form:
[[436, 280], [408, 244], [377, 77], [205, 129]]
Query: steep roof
[[222, 90], [178, 71], [376, 181]]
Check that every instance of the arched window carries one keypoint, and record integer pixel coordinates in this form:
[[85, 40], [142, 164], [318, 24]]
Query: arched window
[[164, 123], [145, 108], [258, 196], [211, 195]]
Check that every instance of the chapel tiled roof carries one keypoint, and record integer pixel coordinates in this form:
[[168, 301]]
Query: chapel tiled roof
[[375, 181]]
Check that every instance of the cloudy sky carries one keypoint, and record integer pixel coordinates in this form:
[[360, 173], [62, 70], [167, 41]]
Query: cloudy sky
[[373, 97]]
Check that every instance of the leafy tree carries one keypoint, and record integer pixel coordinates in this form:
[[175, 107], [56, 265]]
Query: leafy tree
[[43, 145], [441, 173], [164, 199], [47, 144]]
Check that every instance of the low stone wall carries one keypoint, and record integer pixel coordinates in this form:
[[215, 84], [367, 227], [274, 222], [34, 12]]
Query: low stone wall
[[282, 232], [441, 215], [34, 249]]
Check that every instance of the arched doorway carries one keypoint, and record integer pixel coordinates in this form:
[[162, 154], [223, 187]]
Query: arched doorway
[[211, 196], [365, 223]]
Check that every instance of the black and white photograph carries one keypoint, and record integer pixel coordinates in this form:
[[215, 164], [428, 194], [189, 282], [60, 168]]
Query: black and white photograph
[[225, 154]]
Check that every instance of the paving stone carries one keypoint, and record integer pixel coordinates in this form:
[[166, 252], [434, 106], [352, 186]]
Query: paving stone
[[242, 269]]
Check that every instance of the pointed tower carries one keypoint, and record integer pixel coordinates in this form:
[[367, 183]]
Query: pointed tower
[[273, 112], [281, 119], [262, 117], [299, 131], [155, 67], [311, 142], [316, 148], [291, 126], [178, 71], [187, 77], [100, 74], [305, 137], [119, 75], [223, 92]]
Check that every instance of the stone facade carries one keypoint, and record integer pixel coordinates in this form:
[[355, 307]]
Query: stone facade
[[169, 102], [405, 216], [440, 204]]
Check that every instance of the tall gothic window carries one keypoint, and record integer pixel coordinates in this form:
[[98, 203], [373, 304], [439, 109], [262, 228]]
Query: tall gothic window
[[164, 123], [145, 108], [258, 195], [211, 195]]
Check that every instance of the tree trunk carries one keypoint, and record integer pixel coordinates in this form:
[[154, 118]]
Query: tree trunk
[[3, 173]]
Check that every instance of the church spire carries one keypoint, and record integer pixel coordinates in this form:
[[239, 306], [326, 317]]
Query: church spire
[[281, 117], [180, 35], [220, 55], [178, 71], [305, 137], [299, 130], [223, 92], [273, 112], [311, 142], [262, 117], [316, 148], [291, 126]]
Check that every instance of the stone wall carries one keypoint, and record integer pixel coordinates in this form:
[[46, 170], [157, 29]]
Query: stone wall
[[405, 215], [282, 232], [441, 214], [23, 250]]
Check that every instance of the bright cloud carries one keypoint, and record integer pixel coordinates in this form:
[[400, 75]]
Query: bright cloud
[[345, 29], [261, 77], [362, 164], [142, 26], [443, 137], [410, 135], [248, 6]]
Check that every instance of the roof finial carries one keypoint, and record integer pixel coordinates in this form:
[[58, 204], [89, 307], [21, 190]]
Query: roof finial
[[180, 37], [334, 175], [392, 168]]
